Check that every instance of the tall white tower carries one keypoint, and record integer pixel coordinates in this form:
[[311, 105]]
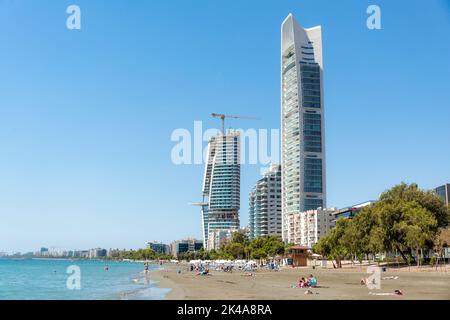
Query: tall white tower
[[302, 120]]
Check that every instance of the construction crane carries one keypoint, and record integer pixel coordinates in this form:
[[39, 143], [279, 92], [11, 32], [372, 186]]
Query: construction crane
[[223, 116]]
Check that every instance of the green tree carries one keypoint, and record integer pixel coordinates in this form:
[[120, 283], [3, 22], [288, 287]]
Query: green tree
[[213, 255], [274, 246], [405, 219], [442, 242], [239, 237], [335, 244], [421, 230], [258, 254], [235, 249], [409, 219], [364, 234], [264, 247]]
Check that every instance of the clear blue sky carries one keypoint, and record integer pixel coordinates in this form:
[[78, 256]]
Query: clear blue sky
[[86, 116]]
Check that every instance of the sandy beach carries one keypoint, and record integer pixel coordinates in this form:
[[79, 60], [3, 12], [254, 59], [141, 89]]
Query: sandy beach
[[276, 285]]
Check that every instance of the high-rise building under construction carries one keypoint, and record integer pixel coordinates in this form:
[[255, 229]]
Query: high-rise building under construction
[[221, 185]]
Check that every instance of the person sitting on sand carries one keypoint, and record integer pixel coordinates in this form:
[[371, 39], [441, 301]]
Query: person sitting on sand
[[203, 273], [312, 281], [302, 283]]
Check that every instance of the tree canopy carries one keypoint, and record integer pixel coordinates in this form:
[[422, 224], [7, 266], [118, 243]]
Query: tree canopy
[[240, 247], [404, 220], [141, 254]]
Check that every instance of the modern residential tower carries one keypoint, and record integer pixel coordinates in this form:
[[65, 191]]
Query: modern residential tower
[[302, 120], [265, 205], [221, 185]]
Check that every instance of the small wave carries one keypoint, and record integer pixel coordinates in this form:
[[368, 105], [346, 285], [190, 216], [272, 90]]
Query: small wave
[[150, 292]]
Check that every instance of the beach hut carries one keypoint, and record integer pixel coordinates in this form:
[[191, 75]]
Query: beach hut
[[298, 256]]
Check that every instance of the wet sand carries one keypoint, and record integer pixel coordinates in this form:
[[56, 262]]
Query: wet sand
[[276, 285]]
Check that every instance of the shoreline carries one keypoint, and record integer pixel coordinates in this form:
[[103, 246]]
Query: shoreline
[[334, 284], [163, 281]]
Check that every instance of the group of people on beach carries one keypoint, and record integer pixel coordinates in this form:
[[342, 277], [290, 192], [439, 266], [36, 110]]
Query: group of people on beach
[[200, 269], [311, 282]]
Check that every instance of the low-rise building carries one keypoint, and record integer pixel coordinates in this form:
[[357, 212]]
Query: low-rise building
[[351, 212], [158, 247], [306, 228], [187, 245], [217, 238]]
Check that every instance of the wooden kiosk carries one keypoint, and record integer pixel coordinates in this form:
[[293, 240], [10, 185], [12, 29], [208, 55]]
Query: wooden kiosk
[[298, 255]]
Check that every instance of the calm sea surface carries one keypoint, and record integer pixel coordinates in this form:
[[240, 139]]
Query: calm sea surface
[[47, 280]]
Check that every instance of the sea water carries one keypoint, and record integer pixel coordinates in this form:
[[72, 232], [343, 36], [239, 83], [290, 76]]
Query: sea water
[[48, 280]]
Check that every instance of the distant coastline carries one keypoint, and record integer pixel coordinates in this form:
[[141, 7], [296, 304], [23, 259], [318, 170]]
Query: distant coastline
[[155, 262]]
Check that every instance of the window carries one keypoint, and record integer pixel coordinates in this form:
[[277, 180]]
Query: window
[[313, 176], [311, 105], [311, 86], [311, 115], [313, 149], [314, 190], [311, 93], [311, 99]]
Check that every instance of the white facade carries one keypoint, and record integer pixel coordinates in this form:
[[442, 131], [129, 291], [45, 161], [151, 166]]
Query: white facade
[[306, 228], [216, 238], [302, 121], [265, 205]]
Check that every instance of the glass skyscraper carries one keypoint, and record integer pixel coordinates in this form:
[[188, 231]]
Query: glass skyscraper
[[302, 120], [221, 185]]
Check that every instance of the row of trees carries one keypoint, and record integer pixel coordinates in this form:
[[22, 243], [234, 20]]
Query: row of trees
[[141, 254], [406, 220], [240, 247]]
